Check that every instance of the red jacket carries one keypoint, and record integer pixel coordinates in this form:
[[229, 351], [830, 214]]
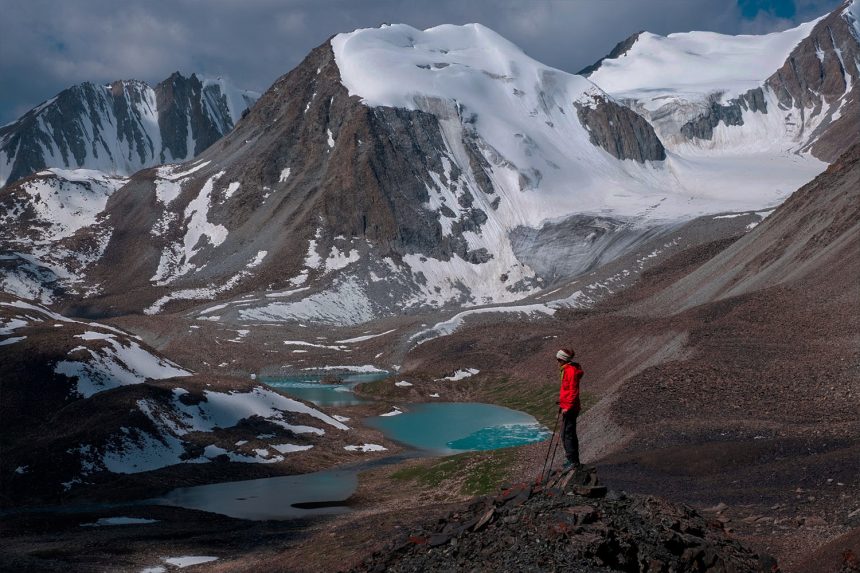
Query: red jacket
[[568, 395]]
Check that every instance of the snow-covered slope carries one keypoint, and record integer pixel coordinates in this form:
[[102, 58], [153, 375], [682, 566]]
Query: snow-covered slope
[[121, 127], [542, 160], [51, 231], [780, 93], [56, 204], [690, 66]]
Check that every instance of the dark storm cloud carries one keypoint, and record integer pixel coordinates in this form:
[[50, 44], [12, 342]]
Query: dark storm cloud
[[47, 45]]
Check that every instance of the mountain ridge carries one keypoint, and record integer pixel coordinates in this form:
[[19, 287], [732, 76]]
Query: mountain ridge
[[122, 126]]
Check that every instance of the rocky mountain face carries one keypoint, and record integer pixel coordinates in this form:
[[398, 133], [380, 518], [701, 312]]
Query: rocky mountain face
[[620, 49], [621, 132], [312, 180], [804, 100], [343, 195], [121, 127]]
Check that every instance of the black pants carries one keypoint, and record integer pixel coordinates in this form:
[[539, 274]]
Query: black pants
[[568, 436]]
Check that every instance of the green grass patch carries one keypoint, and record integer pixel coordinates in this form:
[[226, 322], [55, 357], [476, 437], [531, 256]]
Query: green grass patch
[[479, 473], [489, 472], [539, 401], [434, 473]]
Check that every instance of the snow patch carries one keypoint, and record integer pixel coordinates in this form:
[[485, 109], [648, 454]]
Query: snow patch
[[113, 365], [345, 304], [289, 448], [364, 337], [189, 560], [461, 374], [365, 448], [450, 326]]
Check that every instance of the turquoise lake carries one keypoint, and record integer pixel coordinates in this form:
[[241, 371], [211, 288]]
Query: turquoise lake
[[447, 428], [310, 387]]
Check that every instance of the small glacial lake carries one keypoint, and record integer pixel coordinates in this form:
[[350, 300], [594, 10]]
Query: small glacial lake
[[444, 428], [310, 387], [447, 428], [287, 497]]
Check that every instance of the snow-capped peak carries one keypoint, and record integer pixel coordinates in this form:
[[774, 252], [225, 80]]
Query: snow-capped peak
[[395, 64], [474, 80], [121, 127], [694, 65]]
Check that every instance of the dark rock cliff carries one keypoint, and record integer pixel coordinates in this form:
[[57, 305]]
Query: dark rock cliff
[[730, 113], [180, 103], [620, 131], [619, 50]]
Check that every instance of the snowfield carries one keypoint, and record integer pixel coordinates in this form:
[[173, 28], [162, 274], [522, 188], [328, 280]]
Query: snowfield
[[113, 364], [135, 450], [473, 79], [64, 201], [691, 65]]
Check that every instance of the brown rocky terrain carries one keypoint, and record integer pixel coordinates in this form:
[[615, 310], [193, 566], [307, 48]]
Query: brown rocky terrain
[[779, 474], [726, 374], [571, 522]]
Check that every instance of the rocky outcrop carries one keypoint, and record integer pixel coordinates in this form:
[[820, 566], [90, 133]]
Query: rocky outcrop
[[570, 523], [619, 50], [620, 131], [822, 70], [121, 127], [183, 117], [730, 113]]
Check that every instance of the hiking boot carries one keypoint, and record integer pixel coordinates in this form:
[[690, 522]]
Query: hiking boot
[[570, 465]]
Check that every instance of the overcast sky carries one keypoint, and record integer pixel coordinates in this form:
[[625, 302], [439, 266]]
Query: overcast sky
[[48, 45]]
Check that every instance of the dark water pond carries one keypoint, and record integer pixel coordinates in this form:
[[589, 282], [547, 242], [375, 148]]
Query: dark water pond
[[287, 497]]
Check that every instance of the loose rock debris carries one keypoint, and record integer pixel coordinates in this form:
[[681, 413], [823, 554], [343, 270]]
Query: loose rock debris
[[569, 523]]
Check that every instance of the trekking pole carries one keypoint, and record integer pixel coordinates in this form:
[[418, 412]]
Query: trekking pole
[[549, 447], [552, 459]]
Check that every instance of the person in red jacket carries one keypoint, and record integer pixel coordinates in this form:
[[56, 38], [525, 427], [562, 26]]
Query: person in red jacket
[[568, 401]]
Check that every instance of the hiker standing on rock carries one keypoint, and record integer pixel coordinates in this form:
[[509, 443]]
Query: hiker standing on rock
[[569, 403]]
